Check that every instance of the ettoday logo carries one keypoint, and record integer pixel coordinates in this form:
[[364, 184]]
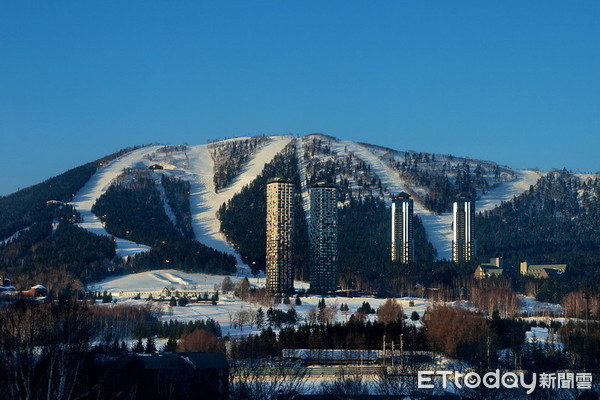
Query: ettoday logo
[[507, 380]]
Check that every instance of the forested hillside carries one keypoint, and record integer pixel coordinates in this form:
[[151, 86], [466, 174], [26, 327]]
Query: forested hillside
[[364, 245], [43, 255], [555, 221], [445, 176], [133, 208], [351, 174], [27, 206], [230, 156], [243, 218]]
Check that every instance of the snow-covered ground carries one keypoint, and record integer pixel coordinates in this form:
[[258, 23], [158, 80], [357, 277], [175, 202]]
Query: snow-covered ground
[[192, 163], [438, 227], [195, 164], [97, 185], [124, 288], [543, 336], [204, 202], [530, 306]]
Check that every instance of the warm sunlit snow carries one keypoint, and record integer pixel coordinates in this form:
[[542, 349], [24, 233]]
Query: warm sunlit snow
[[124, 288], [205, 202]]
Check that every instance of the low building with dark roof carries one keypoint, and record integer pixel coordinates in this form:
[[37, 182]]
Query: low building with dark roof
[[542, 270], [191, 375]]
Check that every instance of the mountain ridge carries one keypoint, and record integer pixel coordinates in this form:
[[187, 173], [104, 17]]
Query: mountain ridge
[[199, 180]]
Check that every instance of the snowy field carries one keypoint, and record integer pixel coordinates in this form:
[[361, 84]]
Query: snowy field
[[124, 288]]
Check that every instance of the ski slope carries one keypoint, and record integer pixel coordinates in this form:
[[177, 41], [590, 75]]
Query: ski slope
[[192, 163], [204, 202], [97, 185], [195, 164], [438, 227]]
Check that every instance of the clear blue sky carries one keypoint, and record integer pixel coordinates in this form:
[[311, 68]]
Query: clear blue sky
[[516, 82]]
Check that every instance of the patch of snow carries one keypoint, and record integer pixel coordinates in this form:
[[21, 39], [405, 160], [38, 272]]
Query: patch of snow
[[530, 306], [14, 235]]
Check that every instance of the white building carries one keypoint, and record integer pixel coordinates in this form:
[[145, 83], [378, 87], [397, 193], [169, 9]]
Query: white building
[[464, 246], [403, 248]]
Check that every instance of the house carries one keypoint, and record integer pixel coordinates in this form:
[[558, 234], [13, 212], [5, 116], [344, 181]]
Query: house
[[542, 271], [191, 375], [35, 291], [5, 285], [494, 268]]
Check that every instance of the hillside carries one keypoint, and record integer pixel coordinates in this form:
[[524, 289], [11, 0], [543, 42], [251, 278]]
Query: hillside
[[211, 196]]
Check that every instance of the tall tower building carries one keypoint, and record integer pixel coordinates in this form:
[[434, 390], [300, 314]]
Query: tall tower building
[[323, 237], [403, 248], [464, 246], [280, 272]]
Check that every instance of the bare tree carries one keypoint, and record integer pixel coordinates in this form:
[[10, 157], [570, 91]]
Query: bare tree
[[390, 311], [258, 380]]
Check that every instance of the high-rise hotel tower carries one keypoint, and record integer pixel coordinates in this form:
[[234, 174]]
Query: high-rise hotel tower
[[280, 218], [403, 248], [464, 246], [323, 237]]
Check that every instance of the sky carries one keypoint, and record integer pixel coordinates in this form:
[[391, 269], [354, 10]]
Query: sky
[[509, 81]]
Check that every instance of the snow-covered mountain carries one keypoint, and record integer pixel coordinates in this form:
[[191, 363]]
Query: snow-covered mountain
[[218, 171]]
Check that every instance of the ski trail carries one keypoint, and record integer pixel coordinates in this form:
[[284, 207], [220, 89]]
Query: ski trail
[[97, 185], [438, 227], [304, 189], [205, 203]]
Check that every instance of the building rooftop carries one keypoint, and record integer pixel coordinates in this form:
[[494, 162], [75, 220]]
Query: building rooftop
[[324, 184], [278, 179]]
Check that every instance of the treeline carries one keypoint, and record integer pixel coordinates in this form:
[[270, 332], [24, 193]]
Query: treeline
[[174, 329], [184, 254], [177, 192], [132, 208], [230, 156], [73, 350], [40, 250], [27, 206], [554, 222], [243, 218], [351, 174]]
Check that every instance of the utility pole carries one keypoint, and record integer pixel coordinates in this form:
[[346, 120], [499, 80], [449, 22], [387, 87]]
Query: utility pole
[[383, 354], [586, 296], [401, 352], [489, 340]]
